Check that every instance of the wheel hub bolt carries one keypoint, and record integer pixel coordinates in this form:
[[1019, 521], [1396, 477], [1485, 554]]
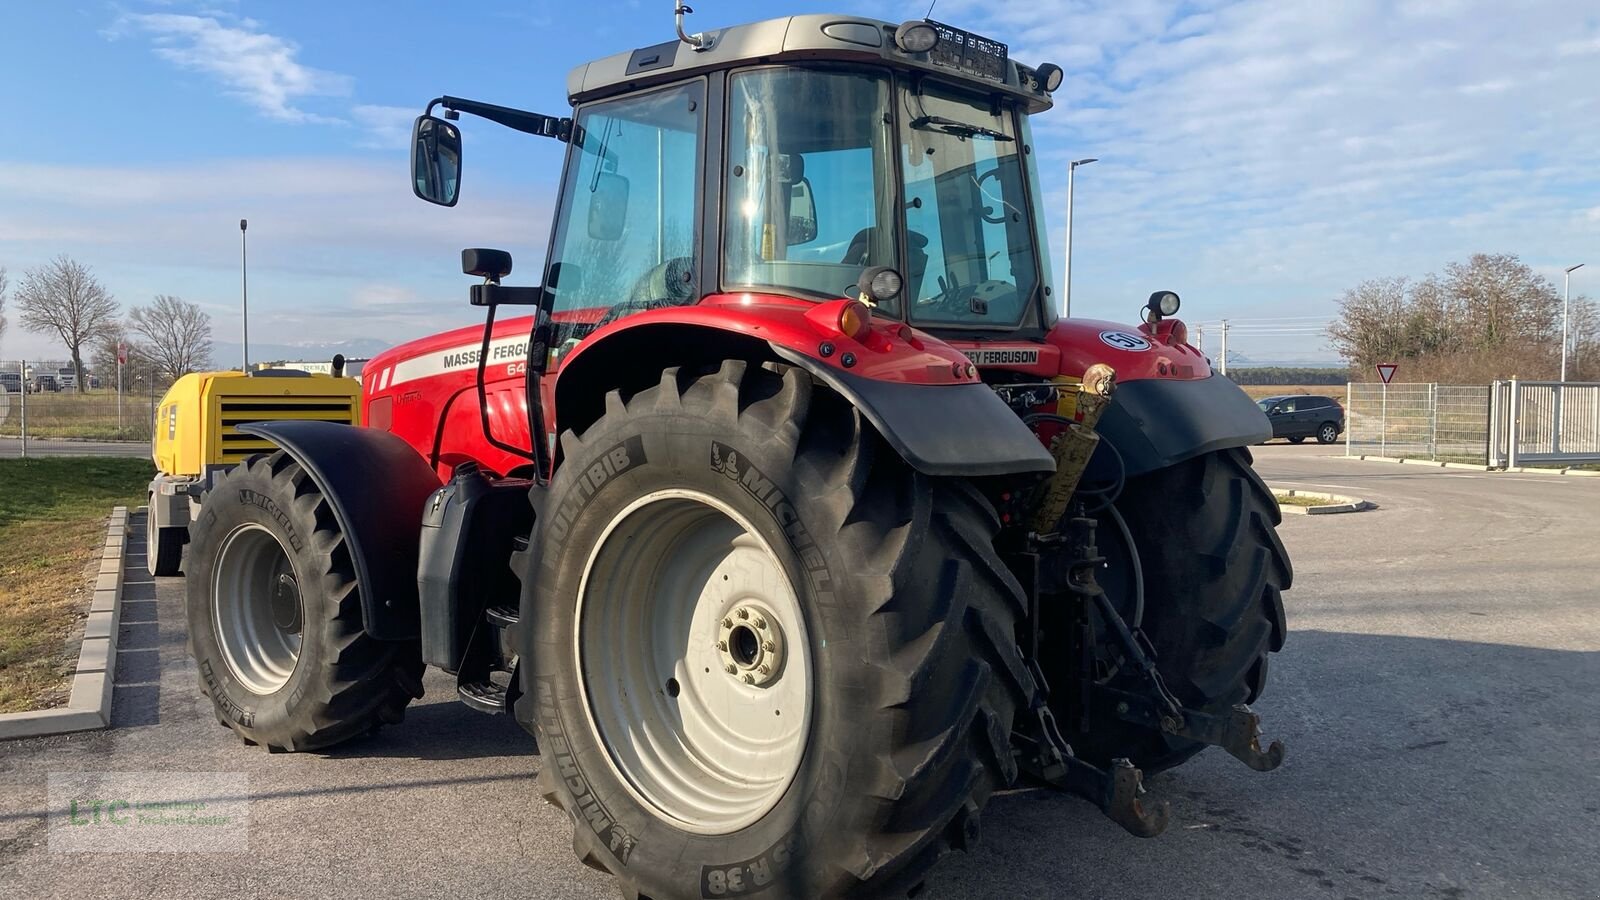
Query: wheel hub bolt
[[750, 644]]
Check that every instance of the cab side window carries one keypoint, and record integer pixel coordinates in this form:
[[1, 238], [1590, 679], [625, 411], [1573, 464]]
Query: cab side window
[[625, 241]]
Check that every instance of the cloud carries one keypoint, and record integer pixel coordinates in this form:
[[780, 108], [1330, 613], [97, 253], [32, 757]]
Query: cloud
[[387, 127], [1260, 157], [258, 67], [338, 246]]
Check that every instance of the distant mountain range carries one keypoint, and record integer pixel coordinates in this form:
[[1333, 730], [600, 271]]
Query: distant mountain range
[[226, 354]]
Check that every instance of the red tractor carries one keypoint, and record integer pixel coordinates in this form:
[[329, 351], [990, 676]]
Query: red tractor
[[793, 521]]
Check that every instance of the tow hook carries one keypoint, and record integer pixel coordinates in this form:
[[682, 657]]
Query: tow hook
[[1119, 793], [1238, 732]]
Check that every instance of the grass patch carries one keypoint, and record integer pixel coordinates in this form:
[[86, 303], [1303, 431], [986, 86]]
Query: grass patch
[[1297, 500], [52, 524]]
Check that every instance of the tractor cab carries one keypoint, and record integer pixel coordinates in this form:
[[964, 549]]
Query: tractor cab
[[786, 158]]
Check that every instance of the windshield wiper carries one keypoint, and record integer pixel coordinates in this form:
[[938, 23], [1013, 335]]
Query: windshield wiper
[[957, 128]]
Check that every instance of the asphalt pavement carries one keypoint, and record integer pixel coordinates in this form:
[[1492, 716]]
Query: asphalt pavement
[[1437, 696]]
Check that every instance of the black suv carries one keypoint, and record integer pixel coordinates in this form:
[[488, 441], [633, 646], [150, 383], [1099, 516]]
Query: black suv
[[1303, 416]]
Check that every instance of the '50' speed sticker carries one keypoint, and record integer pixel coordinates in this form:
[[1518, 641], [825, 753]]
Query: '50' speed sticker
[[1122, 340]]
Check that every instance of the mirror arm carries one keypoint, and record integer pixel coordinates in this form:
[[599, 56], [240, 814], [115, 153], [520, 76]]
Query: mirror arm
[[515, 119], [491, 294]]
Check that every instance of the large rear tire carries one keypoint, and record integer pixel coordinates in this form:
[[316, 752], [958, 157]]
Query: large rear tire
[[274, 612], [1214, 575], [880, 725]]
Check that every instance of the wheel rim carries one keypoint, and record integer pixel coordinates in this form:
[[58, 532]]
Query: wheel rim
[[1328, 434], [258, 611], [696, 669]]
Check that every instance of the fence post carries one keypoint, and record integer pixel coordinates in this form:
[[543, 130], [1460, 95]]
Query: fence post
[[23, 368], [1493, 429], [1433, 420], [1349, 394], [1555, 433], [1514, 432]]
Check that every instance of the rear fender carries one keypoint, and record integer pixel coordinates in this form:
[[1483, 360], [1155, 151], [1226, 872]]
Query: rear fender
[[1158, 422], [914, 391], [376, 485]]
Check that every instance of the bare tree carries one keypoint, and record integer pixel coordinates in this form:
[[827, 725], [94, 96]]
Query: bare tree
[[1500, 300], [3, 283], [177, 335], [103, 354], [1372, 323], [64, 298]]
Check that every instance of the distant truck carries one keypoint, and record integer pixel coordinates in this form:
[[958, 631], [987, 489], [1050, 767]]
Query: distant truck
[[196, 437]]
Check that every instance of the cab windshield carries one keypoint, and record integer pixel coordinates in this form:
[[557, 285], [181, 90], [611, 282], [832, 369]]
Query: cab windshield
[[826, 178]]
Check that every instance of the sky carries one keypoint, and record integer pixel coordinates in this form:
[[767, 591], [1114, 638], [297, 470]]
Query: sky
[[1258, 157]]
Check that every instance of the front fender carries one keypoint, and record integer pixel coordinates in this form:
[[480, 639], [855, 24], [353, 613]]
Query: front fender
[[1155, 422], [375, 485]]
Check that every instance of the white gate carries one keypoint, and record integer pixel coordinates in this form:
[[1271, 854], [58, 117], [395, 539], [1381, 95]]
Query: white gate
[[1544, 422]]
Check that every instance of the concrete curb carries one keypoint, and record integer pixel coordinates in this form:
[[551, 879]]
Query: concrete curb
[[1335, 503], [1516, 470], [89, 707]]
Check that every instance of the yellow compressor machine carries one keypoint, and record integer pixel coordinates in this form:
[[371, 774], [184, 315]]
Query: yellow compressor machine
[[196, 436]]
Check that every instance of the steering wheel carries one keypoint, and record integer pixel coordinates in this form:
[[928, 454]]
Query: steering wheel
[[988, 214]]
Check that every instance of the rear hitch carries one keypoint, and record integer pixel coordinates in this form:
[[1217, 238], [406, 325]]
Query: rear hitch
[[1119, 793]]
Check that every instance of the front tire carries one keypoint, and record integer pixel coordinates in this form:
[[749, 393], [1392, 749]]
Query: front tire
[[163, 547], [896, 680], [1214, 573], [1296, 440], [274, 613]]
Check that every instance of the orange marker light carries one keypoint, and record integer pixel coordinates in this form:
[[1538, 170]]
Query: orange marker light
[[855, 320]]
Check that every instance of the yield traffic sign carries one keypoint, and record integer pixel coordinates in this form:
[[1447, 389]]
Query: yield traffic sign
[[1386, 371]]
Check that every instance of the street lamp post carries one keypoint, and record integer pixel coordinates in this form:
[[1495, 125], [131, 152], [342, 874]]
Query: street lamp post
[[1066, 279], [244, 292], [1566, 313]]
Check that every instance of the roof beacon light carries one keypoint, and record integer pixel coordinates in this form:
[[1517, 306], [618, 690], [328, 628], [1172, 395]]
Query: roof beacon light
[[916, 37]]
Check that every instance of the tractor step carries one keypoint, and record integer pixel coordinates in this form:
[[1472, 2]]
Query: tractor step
[[503, 617], [483, 696]]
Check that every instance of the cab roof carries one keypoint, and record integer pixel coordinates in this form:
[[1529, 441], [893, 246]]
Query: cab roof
[[789, 39]]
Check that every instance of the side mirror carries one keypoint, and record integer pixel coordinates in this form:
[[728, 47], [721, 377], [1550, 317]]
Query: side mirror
[[608, 206], [802, 213], [436, 161]]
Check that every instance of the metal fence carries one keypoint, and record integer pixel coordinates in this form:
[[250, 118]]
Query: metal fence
[[1541, 422], [1418, 421], [37, 412]]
